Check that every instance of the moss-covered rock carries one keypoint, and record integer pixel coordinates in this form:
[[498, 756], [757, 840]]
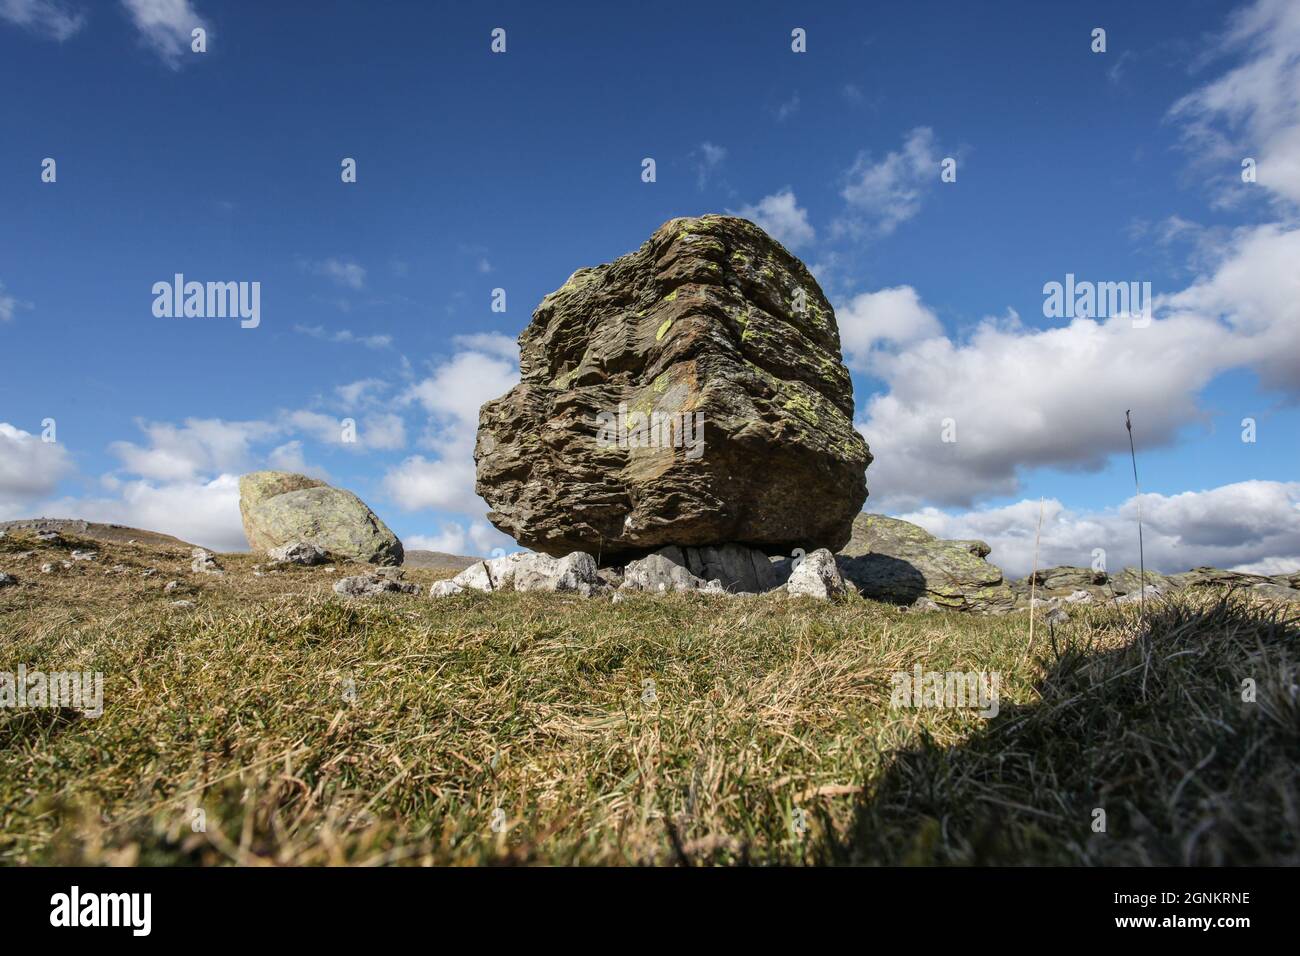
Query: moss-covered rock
[[889, 559], [280, 508], [713, 319]]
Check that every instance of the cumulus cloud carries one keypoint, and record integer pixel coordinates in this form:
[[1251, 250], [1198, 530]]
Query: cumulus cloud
[[451, 396], [166, 26], [1252, 110], [202, 512], [781, 217], [882, 320], [490, 343], [29, 468], [442, 484], [882, 194], [475, 538], [197, 447], [48, 18], [1022, 398], [1249, 525]]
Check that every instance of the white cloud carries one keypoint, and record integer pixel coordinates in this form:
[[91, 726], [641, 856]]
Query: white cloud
[[888, 318], [787, 109], [443, 484], [1253, 109], [345, 336], [29, 468], [492, 343], [1249, 525], [1024, 398], [9, 306], [781, 217], [382, 432], [708, 159], [882, 195], [199, 446], [458, 388], [289, 457], [166, 26], [202, 512], [51, 18], [451, 396], [343, 272], [359, 392], [478, 538]]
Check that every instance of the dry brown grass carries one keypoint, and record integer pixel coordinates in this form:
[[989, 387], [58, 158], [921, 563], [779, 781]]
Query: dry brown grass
[[768, 736]]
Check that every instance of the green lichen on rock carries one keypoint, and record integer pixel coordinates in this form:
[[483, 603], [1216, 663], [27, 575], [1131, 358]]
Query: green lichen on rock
[[773, 399], [280, 508]]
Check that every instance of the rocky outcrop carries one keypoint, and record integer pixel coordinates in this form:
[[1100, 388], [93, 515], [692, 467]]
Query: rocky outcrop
[[280, 508], [892, 560], [691, 393]]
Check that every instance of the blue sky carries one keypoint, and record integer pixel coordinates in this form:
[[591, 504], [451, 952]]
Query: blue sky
[[479, 171]]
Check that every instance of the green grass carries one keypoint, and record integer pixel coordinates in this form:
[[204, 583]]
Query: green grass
[[764, 714]]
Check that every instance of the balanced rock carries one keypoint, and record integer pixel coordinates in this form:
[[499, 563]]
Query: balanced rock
[[690, 393], [280, 508], [892, 560]]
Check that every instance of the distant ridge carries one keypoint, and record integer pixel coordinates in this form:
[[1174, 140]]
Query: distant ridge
[[111, 533], [438, 559]]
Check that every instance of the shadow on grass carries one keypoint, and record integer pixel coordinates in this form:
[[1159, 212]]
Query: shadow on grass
[[1161, 735]]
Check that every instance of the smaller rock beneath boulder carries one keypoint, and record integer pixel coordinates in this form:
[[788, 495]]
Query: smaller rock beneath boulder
[[84, 555], [735, 566], [816, 576], [527, 571], [182, 604], [204, 562], [49, 537], [171, 587], [658, 573], [298, 552], [7, 580], [540, 572]]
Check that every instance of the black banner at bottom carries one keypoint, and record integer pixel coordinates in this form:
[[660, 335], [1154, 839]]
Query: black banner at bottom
[[334, 906]]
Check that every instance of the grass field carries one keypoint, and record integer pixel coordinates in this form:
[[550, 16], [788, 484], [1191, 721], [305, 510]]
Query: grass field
[[274, 723]]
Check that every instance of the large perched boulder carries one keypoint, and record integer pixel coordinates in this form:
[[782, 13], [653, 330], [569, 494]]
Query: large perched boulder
[[280, 508], [893, 560], [690, 393]]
